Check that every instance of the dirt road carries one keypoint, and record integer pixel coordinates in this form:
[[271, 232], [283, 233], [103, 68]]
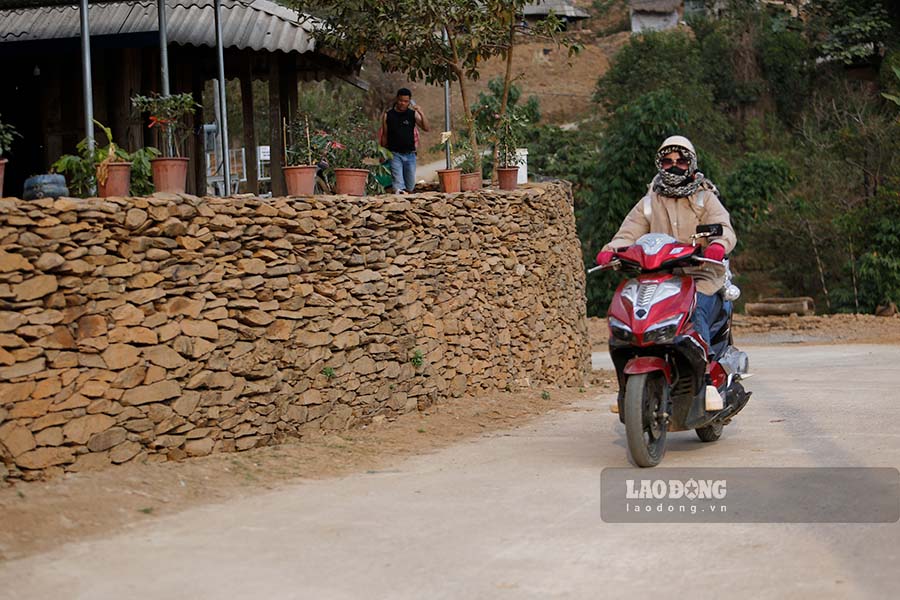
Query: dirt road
[[516, 514]]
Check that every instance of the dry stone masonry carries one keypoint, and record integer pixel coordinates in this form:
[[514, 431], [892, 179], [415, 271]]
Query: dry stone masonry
[[173, 326]]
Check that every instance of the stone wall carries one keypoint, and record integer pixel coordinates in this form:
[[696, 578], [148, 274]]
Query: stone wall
[[172, 326]]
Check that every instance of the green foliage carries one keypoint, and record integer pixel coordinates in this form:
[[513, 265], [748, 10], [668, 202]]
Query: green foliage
[[787, 64], [169, 115], [308, 141], [417, 359], [488, 106], [752, 189], [895, 98], [7, 134], [142, 171], [506, 139], [879, 259], [667, 61], [352, 144], [848, 31], [328, 372], [81, 169]]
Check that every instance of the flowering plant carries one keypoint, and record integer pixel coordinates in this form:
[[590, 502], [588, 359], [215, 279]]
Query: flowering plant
[[310, 143], [353, 145], [169, 115]]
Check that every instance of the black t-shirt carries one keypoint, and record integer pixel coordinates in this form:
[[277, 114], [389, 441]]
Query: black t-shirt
[[400, 130]]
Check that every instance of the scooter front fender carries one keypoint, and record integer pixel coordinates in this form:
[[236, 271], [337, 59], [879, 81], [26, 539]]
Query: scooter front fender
[[648, 364]]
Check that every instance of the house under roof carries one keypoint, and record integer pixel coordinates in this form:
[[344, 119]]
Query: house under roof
[[40, 41], [246, 24], [654, 15], [564, 9]]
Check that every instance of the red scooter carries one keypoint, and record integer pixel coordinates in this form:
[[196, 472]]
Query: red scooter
[[669, 378]]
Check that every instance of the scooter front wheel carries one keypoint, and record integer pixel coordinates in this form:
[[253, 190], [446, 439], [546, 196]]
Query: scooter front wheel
[[645, 424]]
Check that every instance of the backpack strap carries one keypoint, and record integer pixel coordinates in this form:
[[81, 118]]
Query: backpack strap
[[647, 206]]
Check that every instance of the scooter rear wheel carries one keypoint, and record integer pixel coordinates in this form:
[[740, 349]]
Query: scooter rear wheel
[[645, 394]]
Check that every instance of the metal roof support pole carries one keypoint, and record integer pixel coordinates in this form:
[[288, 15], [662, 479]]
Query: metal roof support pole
[[223, 125], [86, 77], [163, 47], [447, 110]]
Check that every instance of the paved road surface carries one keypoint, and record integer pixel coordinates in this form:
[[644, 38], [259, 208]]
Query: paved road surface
[[517, 514]]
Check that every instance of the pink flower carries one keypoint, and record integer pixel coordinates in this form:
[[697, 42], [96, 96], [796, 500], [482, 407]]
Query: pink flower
[[337, 145]]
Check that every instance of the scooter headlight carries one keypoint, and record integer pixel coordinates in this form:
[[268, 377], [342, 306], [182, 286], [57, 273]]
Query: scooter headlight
[[620, 330], [664, 332]]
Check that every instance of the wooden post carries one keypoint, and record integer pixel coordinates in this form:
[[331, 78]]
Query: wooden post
[[276, 139], [289, 83], [182, 80], [249, 126], [126, 125]]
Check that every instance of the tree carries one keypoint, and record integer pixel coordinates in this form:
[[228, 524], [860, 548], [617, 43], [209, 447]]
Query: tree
[[427, 41], [848, 30]]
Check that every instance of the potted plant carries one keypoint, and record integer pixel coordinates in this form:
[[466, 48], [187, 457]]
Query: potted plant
[[353, 153], [449, 178], [506, 140], [470, 179], [168, 114], [308, 146], [109, 169], [7, 134]]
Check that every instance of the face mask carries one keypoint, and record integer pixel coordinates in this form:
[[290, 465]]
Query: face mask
[[673, 170]]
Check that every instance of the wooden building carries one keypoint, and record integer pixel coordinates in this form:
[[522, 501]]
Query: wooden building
[[40, 49]]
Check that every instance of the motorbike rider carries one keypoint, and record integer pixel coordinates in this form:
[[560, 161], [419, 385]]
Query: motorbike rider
[[679, 199]]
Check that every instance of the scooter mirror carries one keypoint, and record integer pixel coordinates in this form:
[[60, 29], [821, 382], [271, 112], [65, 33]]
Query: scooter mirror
[[710, 229]]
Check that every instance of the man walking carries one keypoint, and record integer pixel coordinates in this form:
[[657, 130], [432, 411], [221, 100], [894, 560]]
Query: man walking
[[398, 134]]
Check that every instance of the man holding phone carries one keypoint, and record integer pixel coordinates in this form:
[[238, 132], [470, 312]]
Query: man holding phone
[[398, 134]]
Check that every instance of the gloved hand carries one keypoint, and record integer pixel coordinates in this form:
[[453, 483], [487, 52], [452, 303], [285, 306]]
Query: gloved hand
[[714, 251], [605, 257]]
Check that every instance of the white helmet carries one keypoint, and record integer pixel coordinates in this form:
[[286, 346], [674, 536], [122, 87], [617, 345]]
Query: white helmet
[[678, 141]]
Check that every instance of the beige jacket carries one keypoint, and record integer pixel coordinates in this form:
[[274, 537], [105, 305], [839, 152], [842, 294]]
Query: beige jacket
[[679, 218]]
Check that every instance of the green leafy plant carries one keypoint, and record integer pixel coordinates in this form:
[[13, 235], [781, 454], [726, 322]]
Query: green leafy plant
[[545, 395], [328, 372], [506, 139], [168, 114], [83, 170], [418, 359], [894, 97], [352, 145], [309, 141], [7, 134]]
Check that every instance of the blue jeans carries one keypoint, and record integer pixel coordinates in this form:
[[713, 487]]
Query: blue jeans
[[403, 171], [707, 310]]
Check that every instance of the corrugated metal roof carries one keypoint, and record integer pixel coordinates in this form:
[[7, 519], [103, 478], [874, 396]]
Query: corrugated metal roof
[[655, 6], [561, 8], [254, 24]]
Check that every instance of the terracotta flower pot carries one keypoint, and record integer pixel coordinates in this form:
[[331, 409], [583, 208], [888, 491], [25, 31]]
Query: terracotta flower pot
[[450, 180], [169, 174], [118, 180], [350, 181], [3, 162], [301, 180], [506, 176], [470, 181]]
